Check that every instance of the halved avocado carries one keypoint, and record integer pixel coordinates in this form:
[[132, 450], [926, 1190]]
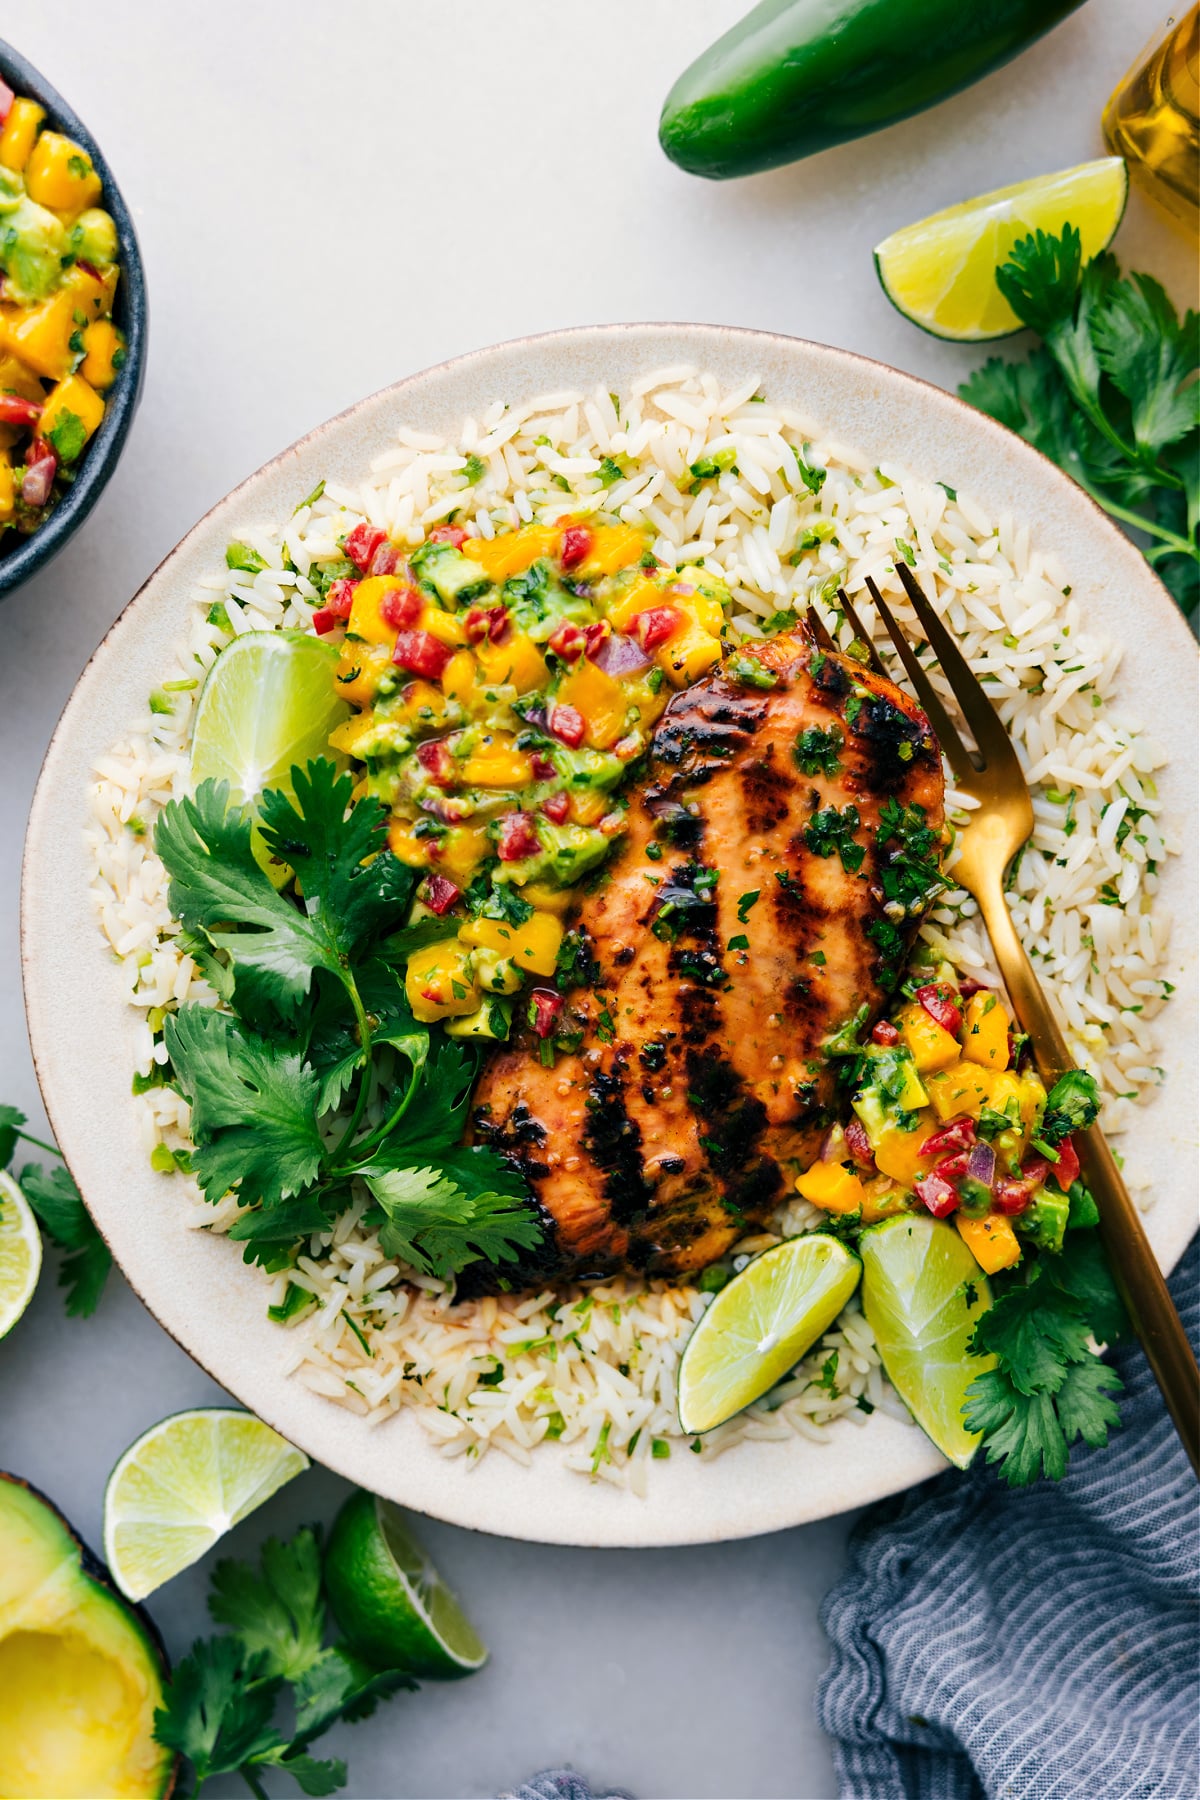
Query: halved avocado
[[81, 1670]]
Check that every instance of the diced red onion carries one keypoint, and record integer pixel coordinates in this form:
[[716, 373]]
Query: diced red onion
[[981, 1164], [620, 655], [38, 480]]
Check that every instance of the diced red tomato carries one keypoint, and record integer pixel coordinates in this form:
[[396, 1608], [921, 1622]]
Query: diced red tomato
[[499, 625], [439, 893], [340, 597], [859, 1144], [518, 838], [884, 1032], [567, 641], [938, 1195], [595, 635], [448, 534], [387, 559], [543, 768], [656, 625], [362, 543], [576, 545], [475, 624], [421, 652], [15, 411], [1012, 1196], [959, 1134], [401, 607], [6, 99], [324, 620], [967, 987], [941, 1003], [953, 1168], [545, 1009], [556, 807], [1066, 1169], [434, 757], [566, 724]]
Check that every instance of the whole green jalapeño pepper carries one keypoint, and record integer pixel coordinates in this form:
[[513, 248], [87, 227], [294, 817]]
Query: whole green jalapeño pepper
[[796, 76]]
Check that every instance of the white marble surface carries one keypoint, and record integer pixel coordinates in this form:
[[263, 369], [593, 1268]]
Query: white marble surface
[[330, 196]]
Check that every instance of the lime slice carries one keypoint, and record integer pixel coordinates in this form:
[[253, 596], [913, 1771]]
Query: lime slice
[[268, 703], [922, 1293], [941, 272], [761, 1324], [182, 1486], [20, 1253], [390, 1601]]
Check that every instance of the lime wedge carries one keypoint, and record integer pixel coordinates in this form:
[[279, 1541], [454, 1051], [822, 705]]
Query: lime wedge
[[761, 1324], [922, 1293], [182, 1486], [20, 1253], [941, 272], [390, 1601], [268, 704]]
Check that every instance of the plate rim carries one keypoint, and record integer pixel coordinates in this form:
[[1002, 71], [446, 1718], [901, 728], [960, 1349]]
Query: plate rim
[[614, 1529]]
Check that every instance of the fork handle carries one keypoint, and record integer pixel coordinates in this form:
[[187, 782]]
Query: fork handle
[[1135, 1270]]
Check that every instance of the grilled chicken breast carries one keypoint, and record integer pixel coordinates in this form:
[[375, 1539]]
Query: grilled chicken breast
[[779, 856]]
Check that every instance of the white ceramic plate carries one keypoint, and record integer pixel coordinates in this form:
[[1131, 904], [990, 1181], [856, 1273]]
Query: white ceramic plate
[[82, 1029]]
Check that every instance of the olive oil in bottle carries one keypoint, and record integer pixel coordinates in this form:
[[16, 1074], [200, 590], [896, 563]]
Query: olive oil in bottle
[[1153, 119]]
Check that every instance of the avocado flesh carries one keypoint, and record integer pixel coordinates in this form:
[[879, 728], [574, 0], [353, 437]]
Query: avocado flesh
[[80, 1672]]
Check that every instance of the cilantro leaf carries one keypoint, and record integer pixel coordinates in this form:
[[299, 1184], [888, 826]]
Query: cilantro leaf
[[219, 1707], [254, 1107], [278, 1614], [11, 1121], [1021, 1432], [338, 1684], [60, 1211], [439, 1228], [1071, 1105], [1034, 1334], [1083, 1402], [68, 434]]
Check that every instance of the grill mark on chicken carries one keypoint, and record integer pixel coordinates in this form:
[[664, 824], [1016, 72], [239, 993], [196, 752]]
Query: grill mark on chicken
[[688, 1110]]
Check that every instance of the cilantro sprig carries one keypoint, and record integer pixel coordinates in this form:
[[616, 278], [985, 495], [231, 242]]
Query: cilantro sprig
[[1109, 395], [59, 1210], [318, 1038], [1048, 1386], [223, 1701]]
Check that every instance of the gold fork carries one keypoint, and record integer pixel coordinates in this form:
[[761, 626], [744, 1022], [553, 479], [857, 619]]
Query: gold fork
[[1001, 824]]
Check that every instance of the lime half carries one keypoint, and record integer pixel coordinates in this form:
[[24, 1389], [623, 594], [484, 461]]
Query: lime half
[[267, 705], [761, 1324], [390, 1601], [182, 1486], [20, 1253], [922, 1293], [941, 272]]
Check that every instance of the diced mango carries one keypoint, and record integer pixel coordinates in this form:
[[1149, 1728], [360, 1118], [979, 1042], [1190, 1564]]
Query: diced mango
[[360, 668], [703, 608], [40, 336], [442, 625], [930, 1045], [439, 982], [103, 347], [461, 852], [59, 174], [350, 736], [991, 1240], [588, 806], [532, 946], [985, 1031], [547, 898], [458, 678], [366, 620], [20, 131], [75, 396], [92, 291], [962, 1088], [7, 487], [421, 704], [898, 1153], [687, 655], [497, 763], [880, 1200], [613, 547], [829, 1185], [1019, 1096], [15, 378], [513, 551], [517, 662], [639, 597], [406, 846], [599, 699]]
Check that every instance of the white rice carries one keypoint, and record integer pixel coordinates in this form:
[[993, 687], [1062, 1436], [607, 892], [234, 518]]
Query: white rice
[[595, 1368]]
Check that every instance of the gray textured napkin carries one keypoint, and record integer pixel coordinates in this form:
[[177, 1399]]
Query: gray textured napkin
[[1029, 1644]]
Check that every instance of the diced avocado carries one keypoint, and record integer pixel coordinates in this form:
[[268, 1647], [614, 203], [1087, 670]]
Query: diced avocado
[[1045, 1221], [893, 1073], [81, 1670], [93, 237], [569, 851], [870, 1107], [453, 576], [32, 246], [495, 973], [539, 603], [492, 1020], [1084, 1212], [588, 768]]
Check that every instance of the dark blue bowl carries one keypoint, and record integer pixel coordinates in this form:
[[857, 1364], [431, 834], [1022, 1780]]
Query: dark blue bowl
[[21, 557]]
